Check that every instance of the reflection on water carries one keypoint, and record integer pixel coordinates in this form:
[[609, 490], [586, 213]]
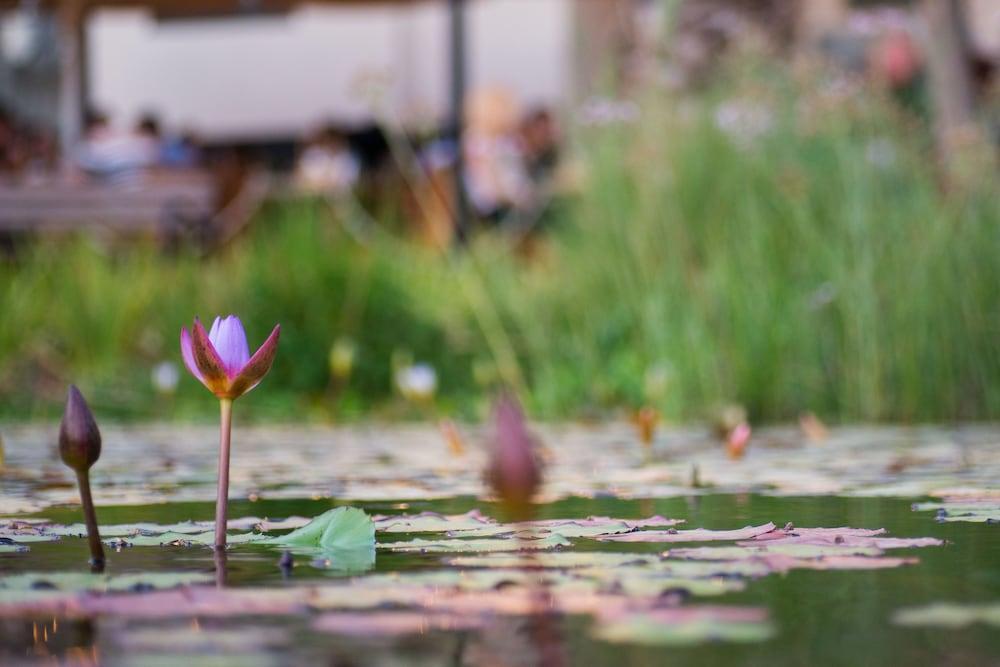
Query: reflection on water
[[820, 617]]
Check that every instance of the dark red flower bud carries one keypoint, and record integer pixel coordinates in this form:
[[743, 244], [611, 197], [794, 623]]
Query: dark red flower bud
[[79, 438]]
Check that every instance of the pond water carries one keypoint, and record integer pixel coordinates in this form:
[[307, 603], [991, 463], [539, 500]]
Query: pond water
[[863, 479], [821, 617]]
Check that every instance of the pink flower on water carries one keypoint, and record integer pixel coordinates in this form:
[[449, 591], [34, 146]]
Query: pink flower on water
[[221, 359]]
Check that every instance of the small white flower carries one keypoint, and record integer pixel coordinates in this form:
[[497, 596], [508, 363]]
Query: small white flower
[[417, 382], [165, 377]]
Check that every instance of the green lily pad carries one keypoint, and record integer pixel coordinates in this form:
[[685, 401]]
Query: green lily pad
[[687, 626], [478, 545], [30, 586], [948, 615], [974, 511], [696, 535], [554, 559], [185, 539], [531, 530], [393, 623], [341, 528], [432, 522]]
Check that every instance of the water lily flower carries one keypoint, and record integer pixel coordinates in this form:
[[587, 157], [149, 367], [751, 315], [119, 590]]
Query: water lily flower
[[221, 361], [417, 382]]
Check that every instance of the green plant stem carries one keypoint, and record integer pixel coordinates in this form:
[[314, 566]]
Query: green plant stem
[[90, 518], [222, 499]]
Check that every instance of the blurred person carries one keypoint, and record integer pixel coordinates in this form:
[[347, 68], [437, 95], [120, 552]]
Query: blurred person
[[24, 150], [107, 153], [180, 151], [327, 164], [539, 139], [496, 178]]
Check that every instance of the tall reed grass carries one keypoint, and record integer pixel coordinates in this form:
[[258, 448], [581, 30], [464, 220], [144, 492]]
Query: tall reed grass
[[778, 247]]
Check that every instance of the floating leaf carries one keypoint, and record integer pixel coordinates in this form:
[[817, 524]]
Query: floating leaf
[[688, 625], [948, 615], [431, 522], [341, 528], [792, 550], [32, 586], [974, 511], [478, 545], [555, 559], [530, 530], [184, 539], [696, 535], [389, 623], [843, 537]]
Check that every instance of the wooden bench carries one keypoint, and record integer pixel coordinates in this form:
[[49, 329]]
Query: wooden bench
[[172, 206]]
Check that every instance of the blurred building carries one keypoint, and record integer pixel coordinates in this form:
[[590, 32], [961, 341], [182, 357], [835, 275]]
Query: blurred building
[[280, 73]]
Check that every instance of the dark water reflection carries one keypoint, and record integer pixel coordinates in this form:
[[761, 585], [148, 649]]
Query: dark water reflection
[[822, 617]]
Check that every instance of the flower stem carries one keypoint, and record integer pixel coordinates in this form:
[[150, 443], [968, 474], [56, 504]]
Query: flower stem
[[222, 499], [90, 517]]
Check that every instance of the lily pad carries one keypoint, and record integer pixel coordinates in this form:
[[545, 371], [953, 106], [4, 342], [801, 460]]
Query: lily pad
[[529, 530], [390, 623], [30, 586], [696, 535], [792, 550], [688, 625], [949, 615], [554, 559], [478, 545], [431, 522], [344, 528], [974, 511]]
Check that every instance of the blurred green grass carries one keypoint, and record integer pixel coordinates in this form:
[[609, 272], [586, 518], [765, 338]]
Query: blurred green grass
[[808, 261]]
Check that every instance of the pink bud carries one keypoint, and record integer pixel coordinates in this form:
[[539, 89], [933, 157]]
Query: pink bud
[[514, 471]]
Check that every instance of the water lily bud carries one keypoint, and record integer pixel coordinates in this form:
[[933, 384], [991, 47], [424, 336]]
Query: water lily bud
[[79, 437], [514, 471]]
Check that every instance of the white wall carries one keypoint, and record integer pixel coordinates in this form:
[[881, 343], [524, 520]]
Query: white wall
[[280, 75]]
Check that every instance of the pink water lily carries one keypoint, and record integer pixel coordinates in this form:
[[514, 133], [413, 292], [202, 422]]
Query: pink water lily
[[221, 359]]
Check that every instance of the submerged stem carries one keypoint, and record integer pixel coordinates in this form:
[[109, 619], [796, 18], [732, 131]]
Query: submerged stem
[[90, 518], [222, 498]]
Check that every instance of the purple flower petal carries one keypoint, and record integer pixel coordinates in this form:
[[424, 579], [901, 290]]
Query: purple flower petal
[[255, 369], [207, 360], [230, 342], [188, 355]]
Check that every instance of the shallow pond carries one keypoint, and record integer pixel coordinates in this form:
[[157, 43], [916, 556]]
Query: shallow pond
[[805, 609], [820, 617]]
